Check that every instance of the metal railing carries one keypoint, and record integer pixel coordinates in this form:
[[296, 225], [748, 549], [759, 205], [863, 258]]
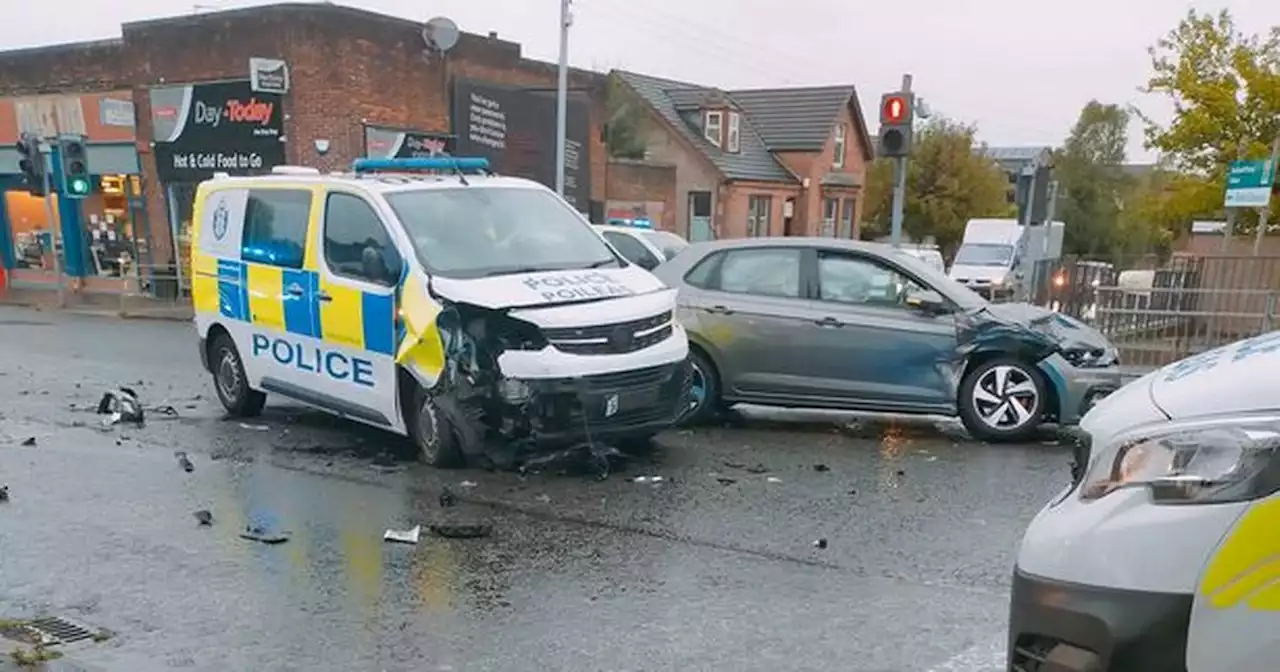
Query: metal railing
[[1157, 312]]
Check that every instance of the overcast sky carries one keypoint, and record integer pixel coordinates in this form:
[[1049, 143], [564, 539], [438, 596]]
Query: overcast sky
[[1019, 69]]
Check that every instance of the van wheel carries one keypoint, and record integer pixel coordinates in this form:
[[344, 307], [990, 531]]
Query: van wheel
[[441, 431], [230, 380], [1002, 400]]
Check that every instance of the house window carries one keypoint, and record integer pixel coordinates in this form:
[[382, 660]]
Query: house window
[[846, 218], [758, 208], [735, 131], [838, 162], [830, 210], [711, 129]]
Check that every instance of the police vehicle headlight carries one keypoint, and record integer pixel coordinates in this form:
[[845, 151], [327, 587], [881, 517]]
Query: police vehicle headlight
[[1200, 462]]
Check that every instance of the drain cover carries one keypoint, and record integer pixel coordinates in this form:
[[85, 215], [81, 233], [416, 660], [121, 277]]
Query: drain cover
[[58, 630]]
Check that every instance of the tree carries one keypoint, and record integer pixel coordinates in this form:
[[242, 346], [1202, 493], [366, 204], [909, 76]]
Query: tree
[[1225, 90], [626, 125], [948, 183], [1093, 185]]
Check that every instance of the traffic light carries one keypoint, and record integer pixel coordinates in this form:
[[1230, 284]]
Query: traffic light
[[76, 182], [897, 112], [31, 163]]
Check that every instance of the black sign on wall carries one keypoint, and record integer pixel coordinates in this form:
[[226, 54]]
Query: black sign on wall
[[389, 143], [222, 127], [516, 130]]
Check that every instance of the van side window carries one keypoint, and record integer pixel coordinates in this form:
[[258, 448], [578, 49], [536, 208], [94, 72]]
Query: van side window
[[356, 244], [275, 227]]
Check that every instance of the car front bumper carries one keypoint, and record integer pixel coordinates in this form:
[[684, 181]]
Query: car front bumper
[[1070, 627], [1078, 388]]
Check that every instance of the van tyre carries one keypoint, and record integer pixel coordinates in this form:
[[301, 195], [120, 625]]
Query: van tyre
[[441, 431], [705, 404], [1002, 400], [230, 381]]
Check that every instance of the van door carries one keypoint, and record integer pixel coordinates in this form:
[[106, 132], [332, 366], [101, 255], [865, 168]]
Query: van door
[[360, 267], [276, 300]]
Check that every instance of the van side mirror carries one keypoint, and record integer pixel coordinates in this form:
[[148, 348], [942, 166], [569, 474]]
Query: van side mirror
[[926, 301]]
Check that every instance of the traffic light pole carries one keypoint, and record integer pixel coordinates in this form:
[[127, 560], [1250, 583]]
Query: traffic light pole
[[54, 224], [899, 186]]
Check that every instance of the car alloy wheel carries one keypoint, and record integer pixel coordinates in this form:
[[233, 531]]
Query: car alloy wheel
[[1006, 398]]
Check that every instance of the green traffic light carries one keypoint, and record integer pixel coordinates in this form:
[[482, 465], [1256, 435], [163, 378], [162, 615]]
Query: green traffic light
[[78, 186]]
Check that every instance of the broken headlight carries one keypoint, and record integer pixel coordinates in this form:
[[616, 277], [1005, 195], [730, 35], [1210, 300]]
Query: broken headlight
[[1091, 358], [1220, 460]]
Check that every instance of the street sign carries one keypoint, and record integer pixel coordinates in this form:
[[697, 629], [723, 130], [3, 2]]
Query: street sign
[[1249, 183]]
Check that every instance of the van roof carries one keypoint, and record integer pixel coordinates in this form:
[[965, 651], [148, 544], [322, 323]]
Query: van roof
[[382, 182]]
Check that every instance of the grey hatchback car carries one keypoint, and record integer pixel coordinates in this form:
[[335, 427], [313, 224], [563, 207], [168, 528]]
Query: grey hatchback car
[[839, 324]]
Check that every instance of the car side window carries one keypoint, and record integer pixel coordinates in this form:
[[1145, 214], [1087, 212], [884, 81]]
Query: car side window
[[703, 273], [633, 250], [858, 280], [356, 244], [275, 227], [763, 272]]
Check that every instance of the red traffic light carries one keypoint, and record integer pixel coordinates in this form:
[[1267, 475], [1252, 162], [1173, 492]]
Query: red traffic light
[[894, 110]]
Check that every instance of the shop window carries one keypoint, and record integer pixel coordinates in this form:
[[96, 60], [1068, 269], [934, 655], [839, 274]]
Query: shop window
[[275, 227], [31, 230], [114, 227]]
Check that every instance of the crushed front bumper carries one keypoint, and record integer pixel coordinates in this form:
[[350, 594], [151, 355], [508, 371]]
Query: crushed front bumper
[[1070, 627], [1078, 388], [603, 407]]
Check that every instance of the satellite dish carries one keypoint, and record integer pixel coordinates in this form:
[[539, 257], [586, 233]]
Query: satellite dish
[[440, 34]]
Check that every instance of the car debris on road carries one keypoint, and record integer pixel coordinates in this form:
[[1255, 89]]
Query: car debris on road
[[121, 405], [409, 536], [204, 518]]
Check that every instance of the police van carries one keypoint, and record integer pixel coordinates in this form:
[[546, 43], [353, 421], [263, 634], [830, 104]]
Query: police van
[[480, 315], [1164, 552]]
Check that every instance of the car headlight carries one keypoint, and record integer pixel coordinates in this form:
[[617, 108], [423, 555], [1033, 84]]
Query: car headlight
[[1221, 460], [1091, 358]]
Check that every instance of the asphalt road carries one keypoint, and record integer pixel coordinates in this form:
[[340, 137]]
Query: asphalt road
[[693, 573]]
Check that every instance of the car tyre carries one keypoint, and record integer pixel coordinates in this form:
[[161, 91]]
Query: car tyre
[[230, 381], [441, 431], [1002, 400], [704, 400]]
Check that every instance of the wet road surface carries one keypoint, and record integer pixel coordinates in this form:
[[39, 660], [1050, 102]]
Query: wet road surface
[[714, 568]]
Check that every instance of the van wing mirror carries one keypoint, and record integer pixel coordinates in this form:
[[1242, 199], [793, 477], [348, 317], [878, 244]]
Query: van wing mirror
[[926, 300]]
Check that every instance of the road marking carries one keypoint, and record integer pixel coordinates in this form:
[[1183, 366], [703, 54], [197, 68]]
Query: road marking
[[985, 657]]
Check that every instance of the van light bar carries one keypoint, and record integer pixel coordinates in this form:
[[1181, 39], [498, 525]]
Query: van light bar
[[456, 164]]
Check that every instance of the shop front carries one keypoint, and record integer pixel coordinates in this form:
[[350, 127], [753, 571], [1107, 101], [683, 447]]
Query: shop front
[[202, 129], [98, 241]]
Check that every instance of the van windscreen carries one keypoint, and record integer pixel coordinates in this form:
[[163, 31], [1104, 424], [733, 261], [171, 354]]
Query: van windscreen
[[983, 254], [472, 232]]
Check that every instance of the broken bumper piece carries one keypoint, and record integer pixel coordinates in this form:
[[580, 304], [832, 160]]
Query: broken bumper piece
[[602, 407]]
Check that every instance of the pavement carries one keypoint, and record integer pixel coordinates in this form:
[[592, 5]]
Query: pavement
[[714, 568]]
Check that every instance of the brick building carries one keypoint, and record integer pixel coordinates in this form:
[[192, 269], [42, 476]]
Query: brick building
[[170, 102], [761, 162]]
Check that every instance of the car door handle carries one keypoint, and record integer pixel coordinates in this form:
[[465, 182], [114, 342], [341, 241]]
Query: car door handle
[[829, 322], [323, 296], [719, 310]]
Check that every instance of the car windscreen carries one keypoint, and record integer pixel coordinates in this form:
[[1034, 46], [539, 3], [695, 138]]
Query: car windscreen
[[668, 242], [984, 254], [471, 232], [963, 297]]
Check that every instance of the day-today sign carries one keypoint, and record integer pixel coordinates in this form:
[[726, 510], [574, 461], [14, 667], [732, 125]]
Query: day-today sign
[[1249, 183]]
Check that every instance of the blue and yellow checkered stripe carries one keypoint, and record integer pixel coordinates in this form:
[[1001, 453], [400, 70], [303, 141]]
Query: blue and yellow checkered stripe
[[288, 301]]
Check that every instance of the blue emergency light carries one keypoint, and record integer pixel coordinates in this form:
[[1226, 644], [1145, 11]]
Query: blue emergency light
[[453, 164]]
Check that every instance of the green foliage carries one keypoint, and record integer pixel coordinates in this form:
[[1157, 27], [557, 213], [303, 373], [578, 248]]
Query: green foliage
[[1093, 186], [1225, 90], [626, 125], [948, 183]]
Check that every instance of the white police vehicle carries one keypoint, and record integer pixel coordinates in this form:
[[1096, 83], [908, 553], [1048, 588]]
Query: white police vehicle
[[1164, 553], [480, 315]]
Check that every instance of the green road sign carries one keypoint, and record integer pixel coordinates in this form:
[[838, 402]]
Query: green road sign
[[1249, 183]]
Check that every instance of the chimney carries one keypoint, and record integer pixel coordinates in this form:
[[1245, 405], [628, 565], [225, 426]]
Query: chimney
[[493, 34]]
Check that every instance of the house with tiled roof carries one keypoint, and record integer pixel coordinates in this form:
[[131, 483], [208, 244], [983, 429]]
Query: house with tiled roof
[[788, 161]]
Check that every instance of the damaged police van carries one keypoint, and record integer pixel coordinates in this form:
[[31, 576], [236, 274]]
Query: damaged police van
[[480, 315]]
